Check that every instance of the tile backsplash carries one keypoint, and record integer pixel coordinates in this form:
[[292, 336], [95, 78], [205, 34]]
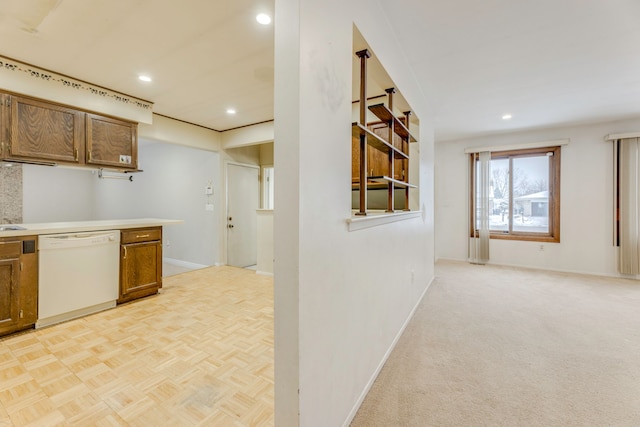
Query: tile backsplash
[[10, 193]]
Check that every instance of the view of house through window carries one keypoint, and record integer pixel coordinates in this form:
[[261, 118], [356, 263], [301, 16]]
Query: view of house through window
[[524, 194]]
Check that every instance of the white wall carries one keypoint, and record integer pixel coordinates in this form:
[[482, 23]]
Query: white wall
[[249, 135], [57, 194], [264, 264], [341, 298], [178, 160], [165, 129], [586, 211], [172, 186]]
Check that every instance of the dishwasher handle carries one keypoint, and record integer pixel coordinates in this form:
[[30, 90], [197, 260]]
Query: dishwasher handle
[[71, 240], [83, 236]]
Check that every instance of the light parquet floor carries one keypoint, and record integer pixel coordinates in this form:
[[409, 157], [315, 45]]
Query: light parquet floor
[[198, 354]]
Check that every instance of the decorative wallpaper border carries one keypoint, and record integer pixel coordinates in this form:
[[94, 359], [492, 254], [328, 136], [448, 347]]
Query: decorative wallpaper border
[[12, 66]]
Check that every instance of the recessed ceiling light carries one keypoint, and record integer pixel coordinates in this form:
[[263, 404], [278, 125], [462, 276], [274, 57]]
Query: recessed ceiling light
[[231, 111], [144, 78], [506, 117], [263, 18]]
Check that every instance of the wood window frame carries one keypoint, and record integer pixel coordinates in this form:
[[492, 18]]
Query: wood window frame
[[553, 236]]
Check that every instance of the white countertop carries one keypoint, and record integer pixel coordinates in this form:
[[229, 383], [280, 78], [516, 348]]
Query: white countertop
[[73, 226]]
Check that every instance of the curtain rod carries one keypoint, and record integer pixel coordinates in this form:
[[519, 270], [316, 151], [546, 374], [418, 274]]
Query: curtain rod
[[523, 146]]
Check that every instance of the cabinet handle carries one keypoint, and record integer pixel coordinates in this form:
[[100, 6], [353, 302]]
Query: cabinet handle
[[75, 154], [125, 252], [89, 154], [140, 236]]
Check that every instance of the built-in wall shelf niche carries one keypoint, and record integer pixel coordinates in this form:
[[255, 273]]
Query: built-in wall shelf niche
[[380, 139]]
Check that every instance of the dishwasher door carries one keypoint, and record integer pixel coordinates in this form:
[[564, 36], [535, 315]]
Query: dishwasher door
[[79, 274]]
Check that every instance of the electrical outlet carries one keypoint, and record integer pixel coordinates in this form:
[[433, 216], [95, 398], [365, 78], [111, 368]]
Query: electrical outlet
[[413, 276], [208, 207], [541, 249]]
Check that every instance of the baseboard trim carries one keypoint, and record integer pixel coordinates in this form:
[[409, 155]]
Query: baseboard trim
[[184, 264], [375, 374], [264, 273], [540, 268]]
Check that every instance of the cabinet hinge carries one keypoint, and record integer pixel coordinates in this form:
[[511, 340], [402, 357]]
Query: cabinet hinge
[[8, 102], [21, 314]]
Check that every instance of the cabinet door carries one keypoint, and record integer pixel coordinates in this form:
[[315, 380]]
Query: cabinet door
[[4, 124], [111, 142], [9, 295], [41, 131], [29, 283], [140, 270]]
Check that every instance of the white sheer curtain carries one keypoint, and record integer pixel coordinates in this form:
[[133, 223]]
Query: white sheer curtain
[[481, 183], [628, 176]]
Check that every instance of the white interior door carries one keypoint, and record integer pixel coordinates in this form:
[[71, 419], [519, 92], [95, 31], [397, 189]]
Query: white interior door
[[243, 198]]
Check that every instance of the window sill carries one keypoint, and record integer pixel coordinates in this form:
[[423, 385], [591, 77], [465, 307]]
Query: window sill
[[523, 237], [356, 223]]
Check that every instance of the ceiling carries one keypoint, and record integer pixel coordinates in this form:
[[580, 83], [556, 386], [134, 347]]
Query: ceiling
[[546, 62]]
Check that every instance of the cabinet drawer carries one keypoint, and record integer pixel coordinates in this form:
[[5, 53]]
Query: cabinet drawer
[[141, 235], [11, 249]]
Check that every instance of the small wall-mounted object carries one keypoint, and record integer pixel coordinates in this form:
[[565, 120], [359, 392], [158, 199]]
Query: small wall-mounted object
[[101, 175]]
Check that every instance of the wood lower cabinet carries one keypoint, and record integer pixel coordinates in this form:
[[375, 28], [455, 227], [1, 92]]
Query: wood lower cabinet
[[140, 263], [18, 284]]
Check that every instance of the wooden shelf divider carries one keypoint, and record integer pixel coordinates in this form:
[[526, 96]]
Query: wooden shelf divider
[[383, 113], [386, 180], [375, 141], [366, 138]]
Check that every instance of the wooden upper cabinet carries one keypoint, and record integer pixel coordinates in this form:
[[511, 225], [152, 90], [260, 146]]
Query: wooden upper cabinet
[[4, 123], [111, 142], [43, 131]]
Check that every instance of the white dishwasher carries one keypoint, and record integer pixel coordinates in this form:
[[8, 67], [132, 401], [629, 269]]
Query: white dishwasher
[[79, 274]]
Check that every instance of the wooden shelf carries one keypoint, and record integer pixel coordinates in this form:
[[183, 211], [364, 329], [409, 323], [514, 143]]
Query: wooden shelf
[[375, 141], [387, 179], [383, 113], [377, 151], [381, 182]]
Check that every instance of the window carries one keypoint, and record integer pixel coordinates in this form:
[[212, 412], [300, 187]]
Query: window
[[267, 187], [524, 194]]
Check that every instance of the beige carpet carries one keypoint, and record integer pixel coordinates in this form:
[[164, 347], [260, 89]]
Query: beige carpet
[[498, 346]]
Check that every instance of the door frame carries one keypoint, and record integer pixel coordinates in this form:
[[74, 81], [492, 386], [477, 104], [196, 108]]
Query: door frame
[[224, 217]]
